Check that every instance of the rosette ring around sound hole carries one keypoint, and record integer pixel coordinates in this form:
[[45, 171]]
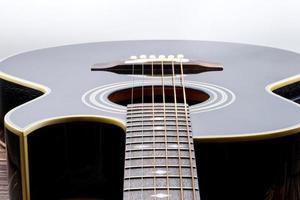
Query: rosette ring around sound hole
[[201, 97]]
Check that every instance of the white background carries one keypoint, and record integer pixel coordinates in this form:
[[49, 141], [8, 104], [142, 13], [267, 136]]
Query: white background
[[32, 24]]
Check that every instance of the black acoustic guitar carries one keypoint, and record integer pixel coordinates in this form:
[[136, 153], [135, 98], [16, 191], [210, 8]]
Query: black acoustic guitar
[[152, 120]]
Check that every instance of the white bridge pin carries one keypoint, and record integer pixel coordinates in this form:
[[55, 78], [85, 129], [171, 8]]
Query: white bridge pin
[[171, 56], [161, 57], [180, 56], [152, 56], [143, 56], [133, 57]]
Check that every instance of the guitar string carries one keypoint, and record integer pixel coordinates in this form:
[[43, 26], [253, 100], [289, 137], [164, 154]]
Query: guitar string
[[188, 132], [153, 131], [177, 131], [142, 154], [165, 128], [131, 118]]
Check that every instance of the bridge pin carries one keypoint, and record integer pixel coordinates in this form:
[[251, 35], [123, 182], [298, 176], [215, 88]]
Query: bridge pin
[[152, 56], [171, 57], [180, 56], [133, 57], [143, 56], [161, 57]]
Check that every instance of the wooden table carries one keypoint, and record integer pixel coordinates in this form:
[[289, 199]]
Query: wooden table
[[3, 175]]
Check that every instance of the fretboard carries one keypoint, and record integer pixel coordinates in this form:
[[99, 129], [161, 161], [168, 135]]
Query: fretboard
[[159, 158]]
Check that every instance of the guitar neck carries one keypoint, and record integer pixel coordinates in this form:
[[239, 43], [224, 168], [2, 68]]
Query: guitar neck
[[159, 159]]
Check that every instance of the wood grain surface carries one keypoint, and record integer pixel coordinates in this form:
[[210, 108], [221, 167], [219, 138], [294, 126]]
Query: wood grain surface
[[3, 175]]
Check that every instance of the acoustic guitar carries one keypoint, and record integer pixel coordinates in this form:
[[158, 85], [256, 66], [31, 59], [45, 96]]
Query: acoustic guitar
[[152, 120]]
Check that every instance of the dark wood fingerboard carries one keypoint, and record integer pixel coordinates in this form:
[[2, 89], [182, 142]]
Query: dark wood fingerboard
[[159, 159]]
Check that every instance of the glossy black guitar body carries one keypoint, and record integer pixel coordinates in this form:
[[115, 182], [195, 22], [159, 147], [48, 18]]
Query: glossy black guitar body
[[69, 141]]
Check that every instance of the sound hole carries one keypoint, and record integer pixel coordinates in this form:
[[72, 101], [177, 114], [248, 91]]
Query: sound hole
[[144, 94]]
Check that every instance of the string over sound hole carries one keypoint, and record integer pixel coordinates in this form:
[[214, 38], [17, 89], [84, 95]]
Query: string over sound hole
[[149, 94]]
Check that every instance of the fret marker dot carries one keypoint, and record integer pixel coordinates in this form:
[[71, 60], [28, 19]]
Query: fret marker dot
[[173, 146], [158, 127], [160, 172], [157, 118], [160, 195], [141, 146]]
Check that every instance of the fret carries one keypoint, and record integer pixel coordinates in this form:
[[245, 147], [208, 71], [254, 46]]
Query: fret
[[158, 172], [169, 127], [157, 176], [158, 126], [159, 161], [157, 153], [156, 105], [160, 130], [159, 115], [158, 138], [150, 128], [174, 194], [161, 138], [161, 111], [155, 108], [156, 114], [157, 187], [157, 166], [147, 116], [157, 157], [128, 149], [157, 123], [156, 146], [152, 133], [170, 140], [155, 134], [155, 119], [158, 110]]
